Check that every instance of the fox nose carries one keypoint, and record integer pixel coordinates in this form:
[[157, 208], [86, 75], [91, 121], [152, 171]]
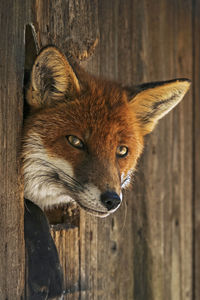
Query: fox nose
[[110, 200]]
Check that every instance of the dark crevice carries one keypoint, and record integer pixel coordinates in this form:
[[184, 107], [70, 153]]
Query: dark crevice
[[31, 51]]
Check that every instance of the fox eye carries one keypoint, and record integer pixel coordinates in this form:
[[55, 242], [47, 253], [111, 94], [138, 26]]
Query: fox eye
[[122, 151], [75, 142]]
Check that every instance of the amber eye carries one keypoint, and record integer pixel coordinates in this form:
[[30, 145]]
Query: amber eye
[[75, 142], [122, 151]]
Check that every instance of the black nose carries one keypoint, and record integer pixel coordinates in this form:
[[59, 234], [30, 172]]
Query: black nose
[[110, 200]]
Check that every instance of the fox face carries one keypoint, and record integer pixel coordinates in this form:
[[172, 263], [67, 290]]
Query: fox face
[[84, 135]]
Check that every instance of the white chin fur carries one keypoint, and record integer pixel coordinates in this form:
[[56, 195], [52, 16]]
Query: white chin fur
[[126, 180], [49, 181], [40, 185], [44, 175]]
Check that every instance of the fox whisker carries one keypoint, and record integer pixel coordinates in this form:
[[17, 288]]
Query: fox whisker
[[67, 178], [125, 215]]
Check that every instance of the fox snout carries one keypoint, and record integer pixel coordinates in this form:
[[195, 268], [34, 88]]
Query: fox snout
[[110, 200], [97, 203], [97, 196], [101, 181]]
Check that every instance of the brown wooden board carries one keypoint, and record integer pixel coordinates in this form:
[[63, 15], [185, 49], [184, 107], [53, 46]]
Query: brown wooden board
[[163, 188], [11, 116], [196, 136], [162, 197]]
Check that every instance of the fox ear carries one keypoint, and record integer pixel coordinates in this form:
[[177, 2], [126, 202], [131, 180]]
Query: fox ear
[[52, 78], [152, 101]]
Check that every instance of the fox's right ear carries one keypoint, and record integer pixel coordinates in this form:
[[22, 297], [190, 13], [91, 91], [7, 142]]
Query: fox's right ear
[[52, 77]]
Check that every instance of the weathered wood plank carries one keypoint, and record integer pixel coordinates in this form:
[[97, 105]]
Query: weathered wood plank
[[164, 190], [67, 242], [196, 135], [11, 116], [183, 195]]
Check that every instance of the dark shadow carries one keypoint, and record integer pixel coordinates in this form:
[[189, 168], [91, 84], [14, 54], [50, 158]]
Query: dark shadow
[[31, 51], [45, 276]]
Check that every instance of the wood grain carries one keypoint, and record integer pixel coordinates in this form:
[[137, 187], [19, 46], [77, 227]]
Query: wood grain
[[196, 136], [167, 192], [11, 116]]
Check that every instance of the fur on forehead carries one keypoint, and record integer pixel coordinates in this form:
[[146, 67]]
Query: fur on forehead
[[101, 104]]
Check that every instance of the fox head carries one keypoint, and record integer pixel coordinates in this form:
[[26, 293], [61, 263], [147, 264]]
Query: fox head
[[84, 135]]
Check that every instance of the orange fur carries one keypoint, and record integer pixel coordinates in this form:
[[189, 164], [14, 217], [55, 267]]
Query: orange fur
[[102, 115]]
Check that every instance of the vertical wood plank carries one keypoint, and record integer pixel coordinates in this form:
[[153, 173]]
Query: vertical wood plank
[[183, 197], [162, 184], [196, 116], [168, 156], [11, 115], [67, 242]]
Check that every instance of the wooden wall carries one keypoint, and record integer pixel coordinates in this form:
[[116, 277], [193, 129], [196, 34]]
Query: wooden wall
[[11, 116], [149, 249]]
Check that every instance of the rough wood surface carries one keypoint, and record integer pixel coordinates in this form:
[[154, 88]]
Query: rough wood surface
[[164, 193], [196, 136], [11, 116]]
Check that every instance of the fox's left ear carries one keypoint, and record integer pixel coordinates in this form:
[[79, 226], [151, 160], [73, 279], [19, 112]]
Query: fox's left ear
[[152, 101], [52, 77]]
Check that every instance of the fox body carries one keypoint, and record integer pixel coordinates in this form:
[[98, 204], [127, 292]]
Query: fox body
[[84, 135]]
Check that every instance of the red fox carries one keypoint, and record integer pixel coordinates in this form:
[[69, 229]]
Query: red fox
[[84, 135]]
